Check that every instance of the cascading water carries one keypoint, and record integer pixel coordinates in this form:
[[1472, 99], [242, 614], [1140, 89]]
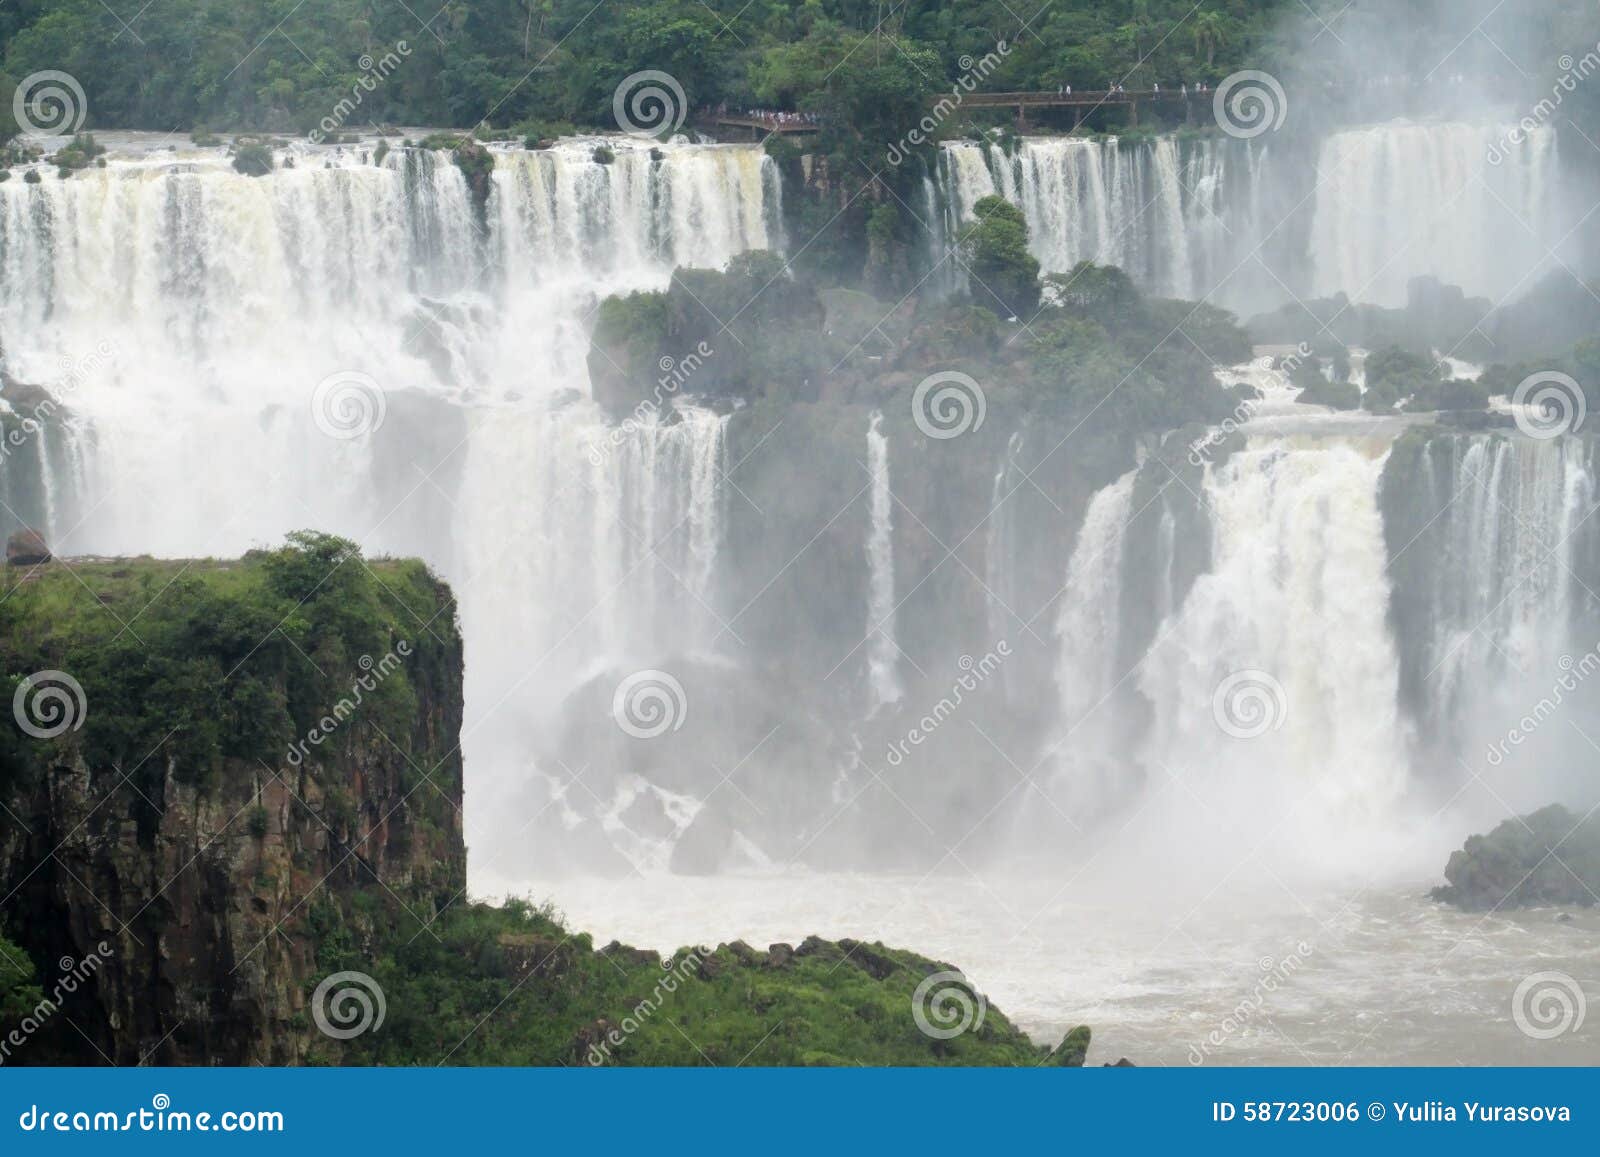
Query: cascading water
[[186, 314], [1179, 218], [201, 316], [1218, 220], [1089, 752], [1293, 610], [884, 654], [1492, 538], [1395, 201], [1000, 554]]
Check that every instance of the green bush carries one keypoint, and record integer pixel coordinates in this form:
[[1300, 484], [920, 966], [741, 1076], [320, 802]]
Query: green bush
[[1394, 375], [1337, 395], [252, 159], [994, 251]]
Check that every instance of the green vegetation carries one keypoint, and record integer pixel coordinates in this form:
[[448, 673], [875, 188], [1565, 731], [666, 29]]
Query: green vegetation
[[509, 62], [1581, 363], [555, 1000], [79, 153], [207, 662], [19, 992], [1549, 857], [1091, 345], [252, 158], [994, 252], [1395, 375], [739, 331], [1336, 395]]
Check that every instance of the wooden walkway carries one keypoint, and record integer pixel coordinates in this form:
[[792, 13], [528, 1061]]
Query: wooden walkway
[[758, 127], [1080, 102]]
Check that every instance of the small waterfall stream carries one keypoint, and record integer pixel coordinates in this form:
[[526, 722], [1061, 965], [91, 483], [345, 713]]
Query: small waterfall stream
[[884, 653]]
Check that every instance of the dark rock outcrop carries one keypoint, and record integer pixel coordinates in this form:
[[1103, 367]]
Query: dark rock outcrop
[[26, 547], [1549, 857]]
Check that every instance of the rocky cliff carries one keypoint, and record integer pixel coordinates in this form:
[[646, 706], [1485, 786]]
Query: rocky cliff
[[211, 764]]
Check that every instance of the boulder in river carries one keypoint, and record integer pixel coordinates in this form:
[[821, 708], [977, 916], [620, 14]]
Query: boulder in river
[[1551, 857]]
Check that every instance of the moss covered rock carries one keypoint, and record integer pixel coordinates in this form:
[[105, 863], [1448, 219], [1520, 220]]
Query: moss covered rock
[[1551, 857]]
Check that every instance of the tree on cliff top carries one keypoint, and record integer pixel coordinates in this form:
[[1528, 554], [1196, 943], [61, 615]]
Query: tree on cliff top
[[994, 251]]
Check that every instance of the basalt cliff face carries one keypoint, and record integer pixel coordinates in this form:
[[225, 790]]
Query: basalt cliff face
[[213, 807]]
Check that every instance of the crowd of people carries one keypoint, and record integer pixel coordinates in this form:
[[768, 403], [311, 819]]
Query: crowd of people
[[1116, 88], [769, 115]]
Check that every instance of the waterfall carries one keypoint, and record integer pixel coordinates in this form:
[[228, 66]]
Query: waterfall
[[1000, 548], [1178, 218], [1089, 754], [1398, 200], [240, 321], [1494, 545], [225, 301], [1218, 220], [884, 656], [1278, 675]]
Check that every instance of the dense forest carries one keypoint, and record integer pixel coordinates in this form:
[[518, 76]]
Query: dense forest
[[281, 65]]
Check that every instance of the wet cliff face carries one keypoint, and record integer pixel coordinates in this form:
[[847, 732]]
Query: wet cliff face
[[1492, 551], [285, 800]]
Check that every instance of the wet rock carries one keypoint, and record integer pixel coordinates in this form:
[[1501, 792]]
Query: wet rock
[[1073, 1049], [27, 547], [635, 957], [869, 958], [1551, 857]]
